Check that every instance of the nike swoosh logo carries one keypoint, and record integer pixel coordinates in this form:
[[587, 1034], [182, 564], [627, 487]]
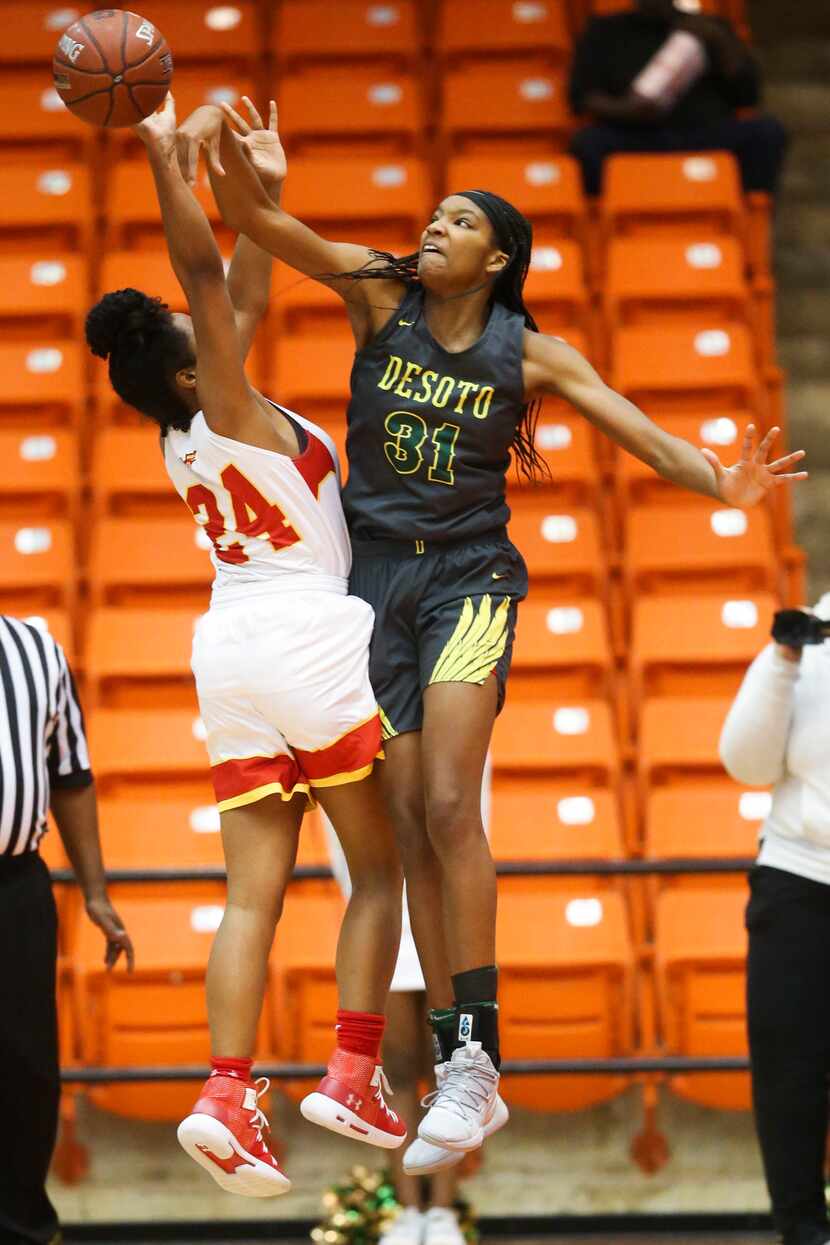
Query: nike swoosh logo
[[497, 576], [406, 324]]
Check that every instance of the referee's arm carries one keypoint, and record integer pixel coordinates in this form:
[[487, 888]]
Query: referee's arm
[[74, 807]]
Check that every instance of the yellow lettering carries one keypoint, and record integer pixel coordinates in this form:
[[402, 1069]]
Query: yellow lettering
[[392, 373], [444, 391], [412, 369], [426, 380], [481, 409], [467, 387]]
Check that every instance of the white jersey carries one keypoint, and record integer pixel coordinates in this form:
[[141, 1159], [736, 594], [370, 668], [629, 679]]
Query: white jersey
[[273, 522]]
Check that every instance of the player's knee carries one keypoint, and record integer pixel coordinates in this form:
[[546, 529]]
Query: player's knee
[[453, 818]]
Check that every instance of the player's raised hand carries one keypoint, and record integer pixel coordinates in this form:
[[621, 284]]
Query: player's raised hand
[[159, 129], [261, 142], [752, 477], [202, 129]]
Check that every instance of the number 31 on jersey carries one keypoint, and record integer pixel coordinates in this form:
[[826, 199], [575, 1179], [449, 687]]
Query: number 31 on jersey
[[407, 453]]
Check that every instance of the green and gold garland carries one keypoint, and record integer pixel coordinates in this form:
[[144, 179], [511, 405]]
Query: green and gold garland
[[363, 1204]]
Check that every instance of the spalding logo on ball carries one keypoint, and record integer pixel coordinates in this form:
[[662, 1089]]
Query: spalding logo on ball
[[112, 67]]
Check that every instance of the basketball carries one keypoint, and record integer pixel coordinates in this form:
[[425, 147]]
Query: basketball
[[112, 68]]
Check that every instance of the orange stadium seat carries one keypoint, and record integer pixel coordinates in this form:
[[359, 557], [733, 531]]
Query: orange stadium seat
[[156, 1015], [149, 753], [533, 819], [387, 195], [648, 193], [140, 658], [555, 288], [690, 548], [349, 30], [547, 188], [679, 741], [58, 624], [300, 305], [560, 545], [42, 380], [302, 995], [42, 295], [128, 476], [561, 648], [41, 474], [144, 562], [215, 83], [568, 739], [567, 995], [200, 30], [660, 280], [699, 822], [638, 484], [498, 99], [38, 568], [491, 27], [37, 26], [707, 366], [693, 645], [133, 212], [565, 442], [45, 200], [32, 111], [350, 103], [309, 373], [181, 834], [149, 271], [700, 958]]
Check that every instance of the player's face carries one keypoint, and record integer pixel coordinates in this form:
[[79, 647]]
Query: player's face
[[458, 247], [186, 377]]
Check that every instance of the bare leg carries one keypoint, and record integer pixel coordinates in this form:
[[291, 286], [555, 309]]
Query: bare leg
[[404, 791], [371, 929], [458, 722], [402, 1045], [260, 845]]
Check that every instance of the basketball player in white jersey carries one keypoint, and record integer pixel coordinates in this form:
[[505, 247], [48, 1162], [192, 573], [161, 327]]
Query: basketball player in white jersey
[[281, 667]]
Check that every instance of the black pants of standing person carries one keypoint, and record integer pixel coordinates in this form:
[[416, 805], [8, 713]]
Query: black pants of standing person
[[758, 143], [788, 1005], [29, 1076]]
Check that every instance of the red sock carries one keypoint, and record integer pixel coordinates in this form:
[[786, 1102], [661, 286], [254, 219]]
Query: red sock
[[360, 1033], [240, 1068]]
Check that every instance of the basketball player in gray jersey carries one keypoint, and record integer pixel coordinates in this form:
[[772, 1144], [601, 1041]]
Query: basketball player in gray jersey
[[449, 373]]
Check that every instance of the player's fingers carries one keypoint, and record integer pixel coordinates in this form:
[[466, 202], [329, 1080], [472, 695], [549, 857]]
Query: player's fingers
[[713, 461], [212, 155], [788, 460], [764, 447], [187, 149], [748, 442], [272, 116], [240, 122], [253, 113], [794, 475]]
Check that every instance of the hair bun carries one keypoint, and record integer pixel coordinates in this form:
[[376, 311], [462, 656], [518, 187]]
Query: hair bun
[[118, 314]]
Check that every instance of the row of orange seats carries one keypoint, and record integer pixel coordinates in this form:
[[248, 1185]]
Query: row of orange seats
[[341, 30], [576, 993]]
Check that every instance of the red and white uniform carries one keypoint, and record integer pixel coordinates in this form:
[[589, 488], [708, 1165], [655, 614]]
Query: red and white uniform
[[281, 659]]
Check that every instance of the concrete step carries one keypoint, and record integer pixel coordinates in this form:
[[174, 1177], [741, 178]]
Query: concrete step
[[805, 357], [807, 168], [802, 106], [802, 267], [770, 20], [795, 60], [808, 406], [803, 311], [802, 223], [812, 529]]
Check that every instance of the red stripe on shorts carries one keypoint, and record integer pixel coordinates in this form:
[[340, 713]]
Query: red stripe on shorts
[[346, 755], [234, 778]]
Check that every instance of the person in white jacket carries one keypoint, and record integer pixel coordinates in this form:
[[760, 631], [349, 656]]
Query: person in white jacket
[[778, 731]]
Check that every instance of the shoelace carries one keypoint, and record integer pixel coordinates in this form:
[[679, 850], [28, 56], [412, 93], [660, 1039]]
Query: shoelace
[[259, 1120], [382, 1087], [467, 1086]]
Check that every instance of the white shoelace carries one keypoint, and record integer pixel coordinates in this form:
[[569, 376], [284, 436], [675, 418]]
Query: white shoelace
[[259, 1119], [468, 1084], [382, 1087]]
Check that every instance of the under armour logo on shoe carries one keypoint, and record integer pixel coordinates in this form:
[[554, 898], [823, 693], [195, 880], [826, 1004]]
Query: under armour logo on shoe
[[465, 1027], [354, 1101]]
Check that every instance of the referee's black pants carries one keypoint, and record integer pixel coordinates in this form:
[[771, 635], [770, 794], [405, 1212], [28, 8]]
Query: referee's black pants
[[29, 1074], [788, 1005]]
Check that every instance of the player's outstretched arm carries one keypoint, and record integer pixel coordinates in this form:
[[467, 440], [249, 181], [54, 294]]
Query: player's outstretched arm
[[554, 368], [228, 401]]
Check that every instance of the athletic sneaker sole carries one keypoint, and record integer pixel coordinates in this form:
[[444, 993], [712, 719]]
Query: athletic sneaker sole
[[320, 1109], [215, 1148], [497, 1120]]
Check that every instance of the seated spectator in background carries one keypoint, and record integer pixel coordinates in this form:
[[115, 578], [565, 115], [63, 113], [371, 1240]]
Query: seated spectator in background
[[660, 79]]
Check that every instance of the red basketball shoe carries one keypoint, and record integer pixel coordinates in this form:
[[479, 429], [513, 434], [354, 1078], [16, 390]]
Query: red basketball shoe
[[349, 1100], [224, 1134]]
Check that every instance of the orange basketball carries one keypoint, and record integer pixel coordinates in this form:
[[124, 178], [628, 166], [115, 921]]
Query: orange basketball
[[112, 67]]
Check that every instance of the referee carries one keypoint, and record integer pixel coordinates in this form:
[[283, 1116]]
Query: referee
[[44, 764]]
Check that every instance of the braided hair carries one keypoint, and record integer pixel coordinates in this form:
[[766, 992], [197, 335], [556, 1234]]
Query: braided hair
[[514, 234], [145, 349]]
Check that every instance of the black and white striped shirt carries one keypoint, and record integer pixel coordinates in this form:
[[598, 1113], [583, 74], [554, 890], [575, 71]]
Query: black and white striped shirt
[[42, 738]]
